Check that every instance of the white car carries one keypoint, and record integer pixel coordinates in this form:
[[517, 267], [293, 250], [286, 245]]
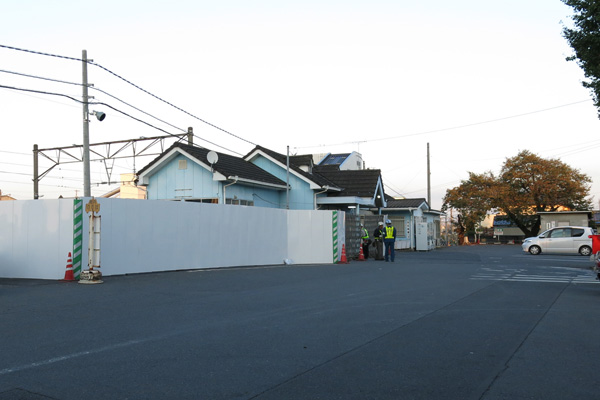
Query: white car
[[564, 239]]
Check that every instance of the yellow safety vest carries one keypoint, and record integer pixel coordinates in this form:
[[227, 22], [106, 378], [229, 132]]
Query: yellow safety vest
[[389, 232], [365, 234]]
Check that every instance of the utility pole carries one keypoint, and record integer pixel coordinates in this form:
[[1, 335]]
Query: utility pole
[[86, 128], [190, 136], [428, 179], [287, 183], [36, 178]]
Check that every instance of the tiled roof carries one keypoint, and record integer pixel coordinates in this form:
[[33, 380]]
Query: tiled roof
[[302, 160], [226, 165], [358, 183], [405, 203]]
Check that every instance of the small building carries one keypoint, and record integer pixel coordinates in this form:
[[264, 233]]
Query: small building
[[504, 231], [418, 227], [128, 189], [549, 220]]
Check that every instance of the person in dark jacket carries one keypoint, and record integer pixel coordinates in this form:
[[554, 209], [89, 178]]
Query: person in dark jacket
[[378, 235]]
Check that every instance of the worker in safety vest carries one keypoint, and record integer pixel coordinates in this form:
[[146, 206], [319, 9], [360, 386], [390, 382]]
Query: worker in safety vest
[[378, 236], [388, 240], [365, 241]]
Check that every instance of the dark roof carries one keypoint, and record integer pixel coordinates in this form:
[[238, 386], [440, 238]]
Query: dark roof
[[405, 203], [281, 158], [358, 183], [302, 160], [226, 165]]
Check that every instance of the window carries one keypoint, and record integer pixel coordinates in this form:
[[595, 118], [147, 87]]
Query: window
[[560, 233], [208, 200], [576, 232], [398, 223], [238, 202]]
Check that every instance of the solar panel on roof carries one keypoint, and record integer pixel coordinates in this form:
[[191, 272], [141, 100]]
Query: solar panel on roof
[[334, 159]]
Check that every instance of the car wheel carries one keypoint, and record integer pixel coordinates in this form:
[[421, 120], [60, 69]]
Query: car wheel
[[535, 250], [585, 250]]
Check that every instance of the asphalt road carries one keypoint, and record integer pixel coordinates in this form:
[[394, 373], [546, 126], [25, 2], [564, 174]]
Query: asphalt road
[[477, 322]]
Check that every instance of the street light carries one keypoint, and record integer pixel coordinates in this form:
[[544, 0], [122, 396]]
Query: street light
[[100, 115]]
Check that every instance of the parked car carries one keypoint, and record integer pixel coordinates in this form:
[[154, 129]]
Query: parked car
[[564, 239]]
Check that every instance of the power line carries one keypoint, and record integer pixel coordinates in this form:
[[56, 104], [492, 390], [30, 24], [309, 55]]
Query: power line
[[14, 152], [450, 128], [132, 84], [93, 88], [80, 101], [114, 109]]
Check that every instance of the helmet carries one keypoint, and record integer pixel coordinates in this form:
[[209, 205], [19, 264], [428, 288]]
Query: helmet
[[388, 221], [380, 223]]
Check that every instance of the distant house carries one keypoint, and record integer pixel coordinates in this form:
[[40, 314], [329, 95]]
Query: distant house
[[418, 226], [4, 197], [128, 189], [343, 161]]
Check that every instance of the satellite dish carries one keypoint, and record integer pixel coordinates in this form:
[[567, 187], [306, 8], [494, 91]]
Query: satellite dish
[[212, 157]]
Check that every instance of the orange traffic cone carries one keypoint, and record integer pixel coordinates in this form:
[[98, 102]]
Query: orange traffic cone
[[343, 260], [69, 272], [361, 255]]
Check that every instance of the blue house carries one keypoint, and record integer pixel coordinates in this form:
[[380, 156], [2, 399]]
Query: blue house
[[262, 178], [329, 185], [190, 173]]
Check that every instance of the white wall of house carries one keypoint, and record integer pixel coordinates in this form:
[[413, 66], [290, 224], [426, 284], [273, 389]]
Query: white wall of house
[[354, 162], [145, 235]]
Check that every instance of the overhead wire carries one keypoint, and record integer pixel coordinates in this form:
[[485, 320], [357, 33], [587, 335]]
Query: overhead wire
[[449, 128], [90, 62], [116, 98], [114, 109]]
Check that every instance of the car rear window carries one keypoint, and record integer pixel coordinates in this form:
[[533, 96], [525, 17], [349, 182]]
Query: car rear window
[[575, 232]]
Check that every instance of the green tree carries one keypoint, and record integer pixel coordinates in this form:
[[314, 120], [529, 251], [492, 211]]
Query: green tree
[[584, 39], [526, 185]]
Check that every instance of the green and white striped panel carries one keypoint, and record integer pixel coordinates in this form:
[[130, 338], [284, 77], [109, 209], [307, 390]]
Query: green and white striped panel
[[335, 236], [77, 236]]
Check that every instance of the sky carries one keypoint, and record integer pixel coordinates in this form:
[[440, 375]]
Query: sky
[[477, 80]]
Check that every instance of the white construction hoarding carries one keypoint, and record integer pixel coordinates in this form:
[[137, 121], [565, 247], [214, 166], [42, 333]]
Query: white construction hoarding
[[138, 236]]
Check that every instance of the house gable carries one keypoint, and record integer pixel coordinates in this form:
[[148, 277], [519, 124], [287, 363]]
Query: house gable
[[361, 187], [183, 172], [274, 165]]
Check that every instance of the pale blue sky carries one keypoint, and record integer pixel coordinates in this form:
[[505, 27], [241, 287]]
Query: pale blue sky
[[319, 76]]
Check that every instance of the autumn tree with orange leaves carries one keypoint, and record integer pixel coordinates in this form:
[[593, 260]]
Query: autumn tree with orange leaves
[[527, 184]]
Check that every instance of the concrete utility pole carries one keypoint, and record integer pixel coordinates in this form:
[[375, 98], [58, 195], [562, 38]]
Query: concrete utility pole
[[36, 178], [287, 179], [87, 192], [428, 179]]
